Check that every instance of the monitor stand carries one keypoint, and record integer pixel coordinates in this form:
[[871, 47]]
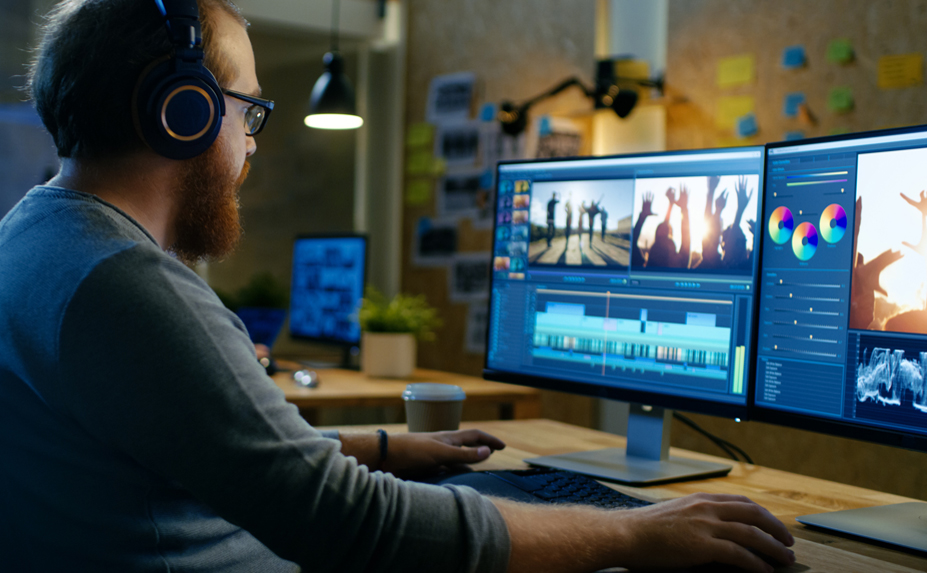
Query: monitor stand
[[646, 461], [901, 524], [349, 360]]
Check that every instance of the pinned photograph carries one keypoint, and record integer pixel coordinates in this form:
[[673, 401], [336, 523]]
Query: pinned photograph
[[469, 277], [458, 143], [450, 97], [435, 242], [477, 323], [461, 194]]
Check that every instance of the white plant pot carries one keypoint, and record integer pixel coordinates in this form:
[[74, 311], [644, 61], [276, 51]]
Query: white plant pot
[[388, 354]]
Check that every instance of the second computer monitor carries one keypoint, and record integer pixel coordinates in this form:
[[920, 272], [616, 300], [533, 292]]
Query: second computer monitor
[[628, 277], [327, 288]]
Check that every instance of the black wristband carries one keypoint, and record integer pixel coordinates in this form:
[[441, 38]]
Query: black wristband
[[384, 446]]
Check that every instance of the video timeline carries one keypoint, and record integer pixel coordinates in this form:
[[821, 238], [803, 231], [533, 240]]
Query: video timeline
[[667, 339]]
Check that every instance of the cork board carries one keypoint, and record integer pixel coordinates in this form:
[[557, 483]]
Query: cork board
[[704, 32], [516, 49]]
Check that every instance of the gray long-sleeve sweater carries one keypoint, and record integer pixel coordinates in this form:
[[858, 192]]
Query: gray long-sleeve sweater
[[139, 433]]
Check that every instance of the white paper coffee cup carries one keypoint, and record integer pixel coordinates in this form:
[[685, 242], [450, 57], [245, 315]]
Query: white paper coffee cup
[[433, 407]]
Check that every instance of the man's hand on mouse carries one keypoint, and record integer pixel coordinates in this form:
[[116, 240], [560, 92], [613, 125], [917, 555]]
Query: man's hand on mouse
[[414, 454]]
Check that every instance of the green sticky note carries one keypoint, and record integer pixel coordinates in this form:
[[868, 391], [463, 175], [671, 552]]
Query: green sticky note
[[420, 134], [840, 51], [839, 131], [419, 162], [418, 191], [840, 100], [438, 166]]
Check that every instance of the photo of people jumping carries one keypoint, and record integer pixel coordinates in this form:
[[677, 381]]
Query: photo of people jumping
[[889, 288], [704, 223], [581, 223]]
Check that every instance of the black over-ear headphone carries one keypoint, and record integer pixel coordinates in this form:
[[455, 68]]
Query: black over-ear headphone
[[178, 106]]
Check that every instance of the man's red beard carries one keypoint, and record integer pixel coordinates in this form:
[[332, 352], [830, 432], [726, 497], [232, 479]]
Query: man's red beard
[[206, 224]]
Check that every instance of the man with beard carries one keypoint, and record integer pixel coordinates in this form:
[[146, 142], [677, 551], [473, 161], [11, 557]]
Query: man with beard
[[137, 430]]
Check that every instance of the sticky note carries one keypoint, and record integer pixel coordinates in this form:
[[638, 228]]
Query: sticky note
[[419, 162], [840, 100], [840, 51], [793, 135], [731, 108], [488, 112], [736, 71], [793, 57], [839, 131], [544, 126], [438, 166], [792, 103], [901, 71], [418, 191], [746, 125], [420, 135]]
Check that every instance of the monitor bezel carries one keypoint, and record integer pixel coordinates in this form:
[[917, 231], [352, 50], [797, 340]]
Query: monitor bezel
[[334, 235], [657, 399], [803, 421]]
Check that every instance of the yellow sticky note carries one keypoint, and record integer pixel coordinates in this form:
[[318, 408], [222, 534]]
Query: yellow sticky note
[[418, 191], [438, 166], [420, 134], [419, 162], [901, 71], [736, 71], [731, 108]]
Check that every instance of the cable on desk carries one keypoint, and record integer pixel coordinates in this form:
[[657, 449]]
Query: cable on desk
[[725, 445]]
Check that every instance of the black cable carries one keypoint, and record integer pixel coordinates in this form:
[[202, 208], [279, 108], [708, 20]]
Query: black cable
[[725, 445]]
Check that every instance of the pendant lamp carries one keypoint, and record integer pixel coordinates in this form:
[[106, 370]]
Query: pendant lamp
[[331, 105]]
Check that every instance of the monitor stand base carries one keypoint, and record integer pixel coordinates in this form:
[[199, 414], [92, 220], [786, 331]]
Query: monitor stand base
[[646, 461]]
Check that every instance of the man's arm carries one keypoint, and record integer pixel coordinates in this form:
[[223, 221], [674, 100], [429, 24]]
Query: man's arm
[[693, 530]]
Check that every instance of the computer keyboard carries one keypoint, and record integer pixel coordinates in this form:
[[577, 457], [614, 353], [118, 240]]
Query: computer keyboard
[[541, 485]]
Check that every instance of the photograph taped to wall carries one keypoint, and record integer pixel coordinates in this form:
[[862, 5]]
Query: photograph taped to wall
[[581, 223], [553, 137], [435, 242], [468, 279], [889, 284], [704, 223], [458, 143], [460, 194], [449, 97], [477, 322]]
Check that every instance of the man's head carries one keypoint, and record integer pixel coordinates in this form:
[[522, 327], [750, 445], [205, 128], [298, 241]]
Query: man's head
[[82, 81], [88, 64]]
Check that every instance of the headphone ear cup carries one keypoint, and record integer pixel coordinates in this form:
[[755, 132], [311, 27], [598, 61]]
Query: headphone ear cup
[[178, 109]]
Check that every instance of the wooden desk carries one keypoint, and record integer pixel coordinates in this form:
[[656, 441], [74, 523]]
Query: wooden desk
[[349, 388], [785, 494]]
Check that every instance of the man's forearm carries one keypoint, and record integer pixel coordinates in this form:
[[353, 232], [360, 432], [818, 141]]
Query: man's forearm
[[562, 539]]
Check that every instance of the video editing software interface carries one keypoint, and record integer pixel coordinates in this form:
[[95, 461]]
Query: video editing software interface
[[327, 288], [842, 326], [630, 272]]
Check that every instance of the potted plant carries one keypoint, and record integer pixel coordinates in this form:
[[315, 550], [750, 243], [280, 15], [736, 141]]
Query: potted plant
[[390, 331]]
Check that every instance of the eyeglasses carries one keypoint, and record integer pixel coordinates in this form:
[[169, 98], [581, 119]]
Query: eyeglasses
[[256, 115]]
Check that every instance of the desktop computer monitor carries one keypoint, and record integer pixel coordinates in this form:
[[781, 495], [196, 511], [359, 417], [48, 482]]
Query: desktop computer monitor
[[842, 313], [630, 278], [327, 288]]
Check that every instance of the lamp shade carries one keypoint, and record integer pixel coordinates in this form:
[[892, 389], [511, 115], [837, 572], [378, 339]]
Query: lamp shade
[[331, 105]]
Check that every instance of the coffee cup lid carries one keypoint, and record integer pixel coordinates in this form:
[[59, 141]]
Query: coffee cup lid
[[429, 391]]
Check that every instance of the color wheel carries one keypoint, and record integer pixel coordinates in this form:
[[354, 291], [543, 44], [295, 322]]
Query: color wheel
[[805, 241], [833, 223], [781, 225]]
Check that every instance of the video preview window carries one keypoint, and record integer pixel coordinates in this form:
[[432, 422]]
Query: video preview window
[[704, 223]]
